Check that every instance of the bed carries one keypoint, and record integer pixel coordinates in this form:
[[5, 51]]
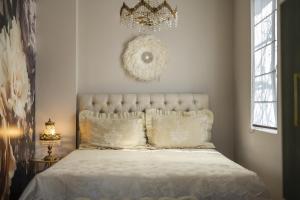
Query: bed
[[145, 174]]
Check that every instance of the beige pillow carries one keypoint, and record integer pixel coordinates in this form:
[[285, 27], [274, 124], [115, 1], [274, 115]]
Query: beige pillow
[[122, 130], [170, 129]]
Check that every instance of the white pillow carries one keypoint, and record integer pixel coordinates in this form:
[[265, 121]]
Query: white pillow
[[122, 130], [171, 129]]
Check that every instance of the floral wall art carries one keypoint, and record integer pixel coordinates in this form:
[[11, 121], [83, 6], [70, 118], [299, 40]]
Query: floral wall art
[[17, 94], [145, 58]]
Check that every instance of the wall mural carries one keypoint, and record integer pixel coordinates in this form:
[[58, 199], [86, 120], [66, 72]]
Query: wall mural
[[17, 93]]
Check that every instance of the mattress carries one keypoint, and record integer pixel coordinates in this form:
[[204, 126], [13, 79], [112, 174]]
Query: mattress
[[145, 175]]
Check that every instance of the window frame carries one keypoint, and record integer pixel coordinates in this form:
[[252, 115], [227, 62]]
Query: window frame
[[253, 127]]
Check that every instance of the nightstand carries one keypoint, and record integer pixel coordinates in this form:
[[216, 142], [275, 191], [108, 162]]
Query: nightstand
[[40, 165]]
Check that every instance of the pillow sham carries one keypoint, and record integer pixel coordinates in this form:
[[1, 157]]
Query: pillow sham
[[171, 129], [102, 130]]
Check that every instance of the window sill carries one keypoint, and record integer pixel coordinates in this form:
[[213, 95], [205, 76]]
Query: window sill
[[263, 130]]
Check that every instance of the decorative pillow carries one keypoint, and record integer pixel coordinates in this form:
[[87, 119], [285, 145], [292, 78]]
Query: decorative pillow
[[170, 129], [122, 130]]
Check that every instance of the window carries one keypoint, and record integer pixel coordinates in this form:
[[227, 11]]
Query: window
[[264, 64]]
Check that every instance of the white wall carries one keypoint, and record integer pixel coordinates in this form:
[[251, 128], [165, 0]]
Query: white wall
[[200, 56], [200, 60], [56, 69], [255, 150]]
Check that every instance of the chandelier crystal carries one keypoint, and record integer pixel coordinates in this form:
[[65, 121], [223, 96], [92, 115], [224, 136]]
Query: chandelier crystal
[[150, 15]]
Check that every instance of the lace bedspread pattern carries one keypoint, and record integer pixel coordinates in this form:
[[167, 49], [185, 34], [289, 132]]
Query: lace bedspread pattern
[[146, 175]]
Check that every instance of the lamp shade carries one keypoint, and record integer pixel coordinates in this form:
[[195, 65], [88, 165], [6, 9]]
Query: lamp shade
[[49, 128], [49, 133]]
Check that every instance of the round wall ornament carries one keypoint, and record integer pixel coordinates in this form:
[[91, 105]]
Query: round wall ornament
[[145, 58]]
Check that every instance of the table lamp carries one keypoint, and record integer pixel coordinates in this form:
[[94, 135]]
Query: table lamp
[[49, 137]]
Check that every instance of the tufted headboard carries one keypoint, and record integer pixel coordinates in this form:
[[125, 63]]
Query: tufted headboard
[[115, 103]]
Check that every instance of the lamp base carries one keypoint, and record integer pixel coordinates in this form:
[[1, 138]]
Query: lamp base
[[50, 158]]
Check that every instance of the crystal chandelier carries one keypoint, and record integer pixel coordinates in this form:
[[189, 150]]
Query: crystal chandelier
[[149, 15]]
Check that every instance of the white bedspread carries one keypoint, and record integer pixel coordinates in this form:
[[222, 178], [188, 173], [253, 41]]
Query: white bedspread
[[145, 175]]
